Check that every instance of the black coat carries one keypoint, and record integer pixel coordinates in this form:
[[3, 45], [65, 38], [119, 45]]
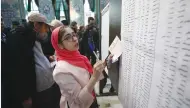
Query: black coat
[[80, 34], [93, 31], [20, 64]]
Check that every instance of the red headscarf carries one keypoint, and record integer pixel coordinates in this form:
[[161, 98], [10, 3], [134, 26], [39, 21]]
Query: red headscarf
[[72, 57]]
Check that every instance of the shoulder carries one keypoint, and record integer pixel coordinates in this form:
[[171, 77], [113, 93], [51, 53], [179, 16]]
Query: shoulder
[[63, 64], [63, 67]]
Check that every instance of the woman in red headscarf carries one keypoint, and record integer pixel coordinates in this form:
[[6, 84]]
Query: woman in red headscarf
[[73, 70]]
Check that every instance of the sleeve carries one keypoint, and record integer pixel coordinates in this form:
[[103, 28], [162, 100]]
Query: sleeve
[[77, 96]]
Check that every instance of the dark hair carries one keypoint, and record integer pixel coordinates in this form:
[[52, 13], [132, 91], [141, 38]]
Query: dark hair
[[61, 33], [90, 18], [73, 23], [81, 27], [65, 22]]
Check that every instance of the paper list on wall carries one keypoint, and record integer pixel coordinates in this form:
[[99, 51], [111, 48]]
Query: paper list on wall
[[173, 84], [155, 65]]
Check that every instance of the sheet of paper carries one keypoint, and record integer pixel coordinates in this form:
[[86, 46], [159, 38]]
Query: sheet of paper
[[155, 63], [116, 48]]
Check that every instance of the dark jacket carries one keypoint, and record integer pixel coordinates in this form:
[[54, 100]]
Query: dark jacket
[[47, 47], [93, 31], [80, 36], [20, 62]]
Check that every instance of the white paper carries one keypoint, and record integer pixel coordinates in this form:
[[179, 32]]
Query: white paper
[[155, 63], [116, 48]]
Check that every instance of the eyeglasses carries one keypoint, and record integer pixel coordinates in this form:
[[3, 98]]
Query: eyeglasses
[[71, 37]]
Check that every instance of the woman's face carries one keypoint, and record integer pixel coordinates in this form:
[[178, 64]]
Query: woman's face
[[70, 40]]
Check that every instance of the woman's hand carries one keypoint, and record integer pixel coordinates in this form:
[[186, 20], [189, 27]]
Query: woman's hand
[[98, 68], [109, 60]]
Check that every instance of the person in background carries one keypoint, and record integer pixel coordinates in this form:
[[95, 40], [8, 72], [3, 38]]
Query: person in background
[[74, 26], [65, 23], [30, 72], [47, 47], [80, 34], [56, 23], [73, 70], [90, 41]]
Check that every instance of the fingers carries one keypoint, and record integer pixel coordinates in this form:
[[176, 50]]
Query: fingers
[[99, 66], [111, 55]]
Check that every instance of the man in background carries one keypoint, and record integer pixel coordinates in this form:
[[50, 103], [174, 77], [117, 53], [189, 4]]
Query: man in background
[[81, 34], [65, 23], [74, 26], [56, 23], [90, 41]]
